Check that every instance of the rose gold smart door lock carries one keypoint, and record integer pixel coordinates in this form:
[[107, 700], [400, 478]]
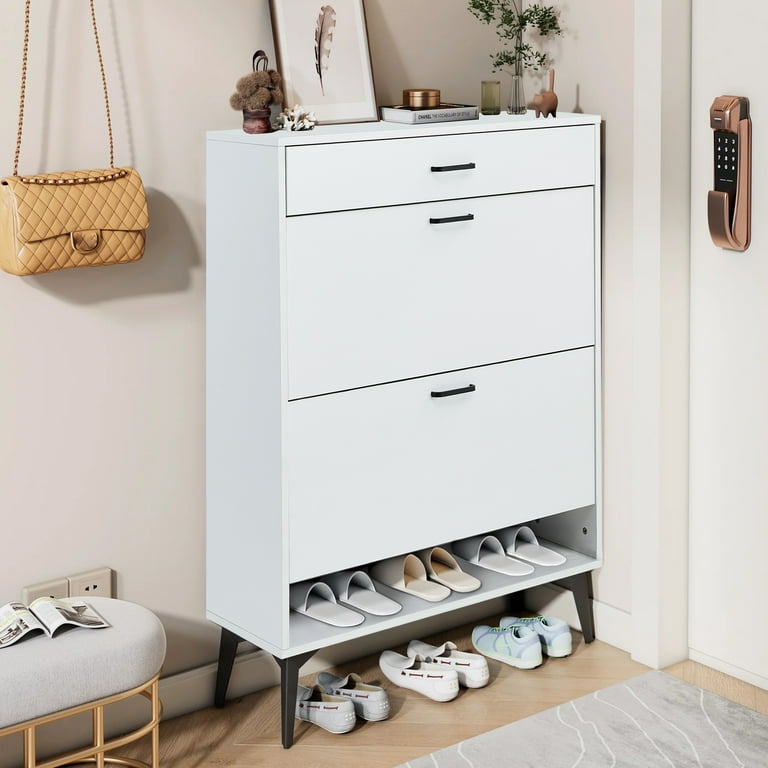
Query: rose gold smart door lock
[[729, 203]]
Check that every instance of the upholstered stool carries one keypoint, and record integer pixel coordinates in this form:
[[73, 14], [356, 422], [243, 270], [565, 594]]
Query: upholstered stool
[[45, 679]]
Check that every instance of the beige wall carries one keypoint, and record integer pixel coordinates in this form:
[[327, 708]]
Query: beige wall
[[101, 397], [729, 369], [101, 401]]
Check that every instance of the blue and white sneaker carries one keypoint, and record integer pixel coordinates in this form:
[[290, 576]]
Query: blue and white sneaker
[[554, 634], [518, 645]]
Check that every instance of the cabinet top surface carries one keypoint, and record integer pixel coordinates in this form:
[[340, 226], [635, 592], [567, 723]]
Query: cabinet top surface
[[324, 134]]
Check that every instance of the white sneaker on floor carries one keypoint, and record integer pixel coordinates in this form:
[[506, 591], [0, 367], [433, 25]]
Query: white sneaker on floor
[[471, 668], [554, 634], [517, 645], [370, 701], [333, 713], [431, 680]]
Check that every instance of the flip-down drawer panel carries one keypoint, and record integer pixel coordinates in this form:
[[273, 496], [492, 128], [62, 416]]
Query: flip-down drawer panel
[[373, 472], [390, 293]]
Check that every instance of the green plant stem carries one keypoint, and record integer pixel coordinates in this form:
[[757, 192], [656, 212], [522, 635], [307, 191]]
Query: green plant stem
[[511, 20]]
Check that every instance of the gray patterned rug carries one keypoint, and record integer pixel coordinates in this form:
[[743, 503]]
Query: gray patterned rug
[[650, 721]]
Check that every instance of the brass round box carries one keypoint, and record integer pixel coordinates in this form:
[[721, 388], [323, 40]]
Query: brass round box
[[418, 98]]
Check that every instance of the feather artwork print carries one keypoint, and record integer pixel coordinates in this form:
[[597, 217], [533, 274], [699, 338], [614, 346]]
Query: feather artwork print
[[326, 23]]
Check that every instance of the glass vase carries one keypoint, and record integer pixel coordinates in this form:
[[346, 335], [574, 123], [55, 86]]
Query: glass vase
[[517, 105], [490, 99]]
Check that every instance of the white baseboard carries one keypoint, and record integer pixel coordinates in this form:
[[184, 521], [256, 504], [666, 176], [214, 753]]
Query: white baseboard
[[612, 626], [193, 690], [729, 669]]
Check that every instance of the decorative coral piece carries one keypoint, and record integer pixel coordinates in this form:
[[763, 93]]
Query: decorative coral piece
[[296, 119]]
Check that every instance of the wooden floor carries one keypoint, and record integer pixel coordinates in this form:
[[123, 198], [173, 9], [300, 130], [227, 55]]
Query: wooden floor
[[246, 733]]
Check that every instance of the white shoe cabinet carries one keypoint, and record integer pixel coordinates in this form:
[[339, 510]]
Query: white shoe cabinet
[[403, 350]]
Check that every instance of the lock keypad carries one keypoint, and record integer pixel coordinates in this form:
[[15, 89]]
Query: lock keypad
[[726, 161]]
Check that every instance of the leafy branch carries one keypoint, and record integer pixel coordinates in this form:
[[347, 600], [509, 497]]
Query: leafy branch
[[511, 21]]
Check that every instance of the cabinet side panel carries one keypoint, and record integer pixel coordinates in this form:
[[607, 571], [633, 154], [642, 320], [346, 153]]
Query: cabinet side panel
[[245, 561], [598, 242]]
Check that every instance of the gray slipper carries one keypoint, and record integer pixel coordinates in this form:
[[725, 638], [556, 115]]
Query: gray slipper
[[317, 601], [520, 541], [356, 588], [488, 552]]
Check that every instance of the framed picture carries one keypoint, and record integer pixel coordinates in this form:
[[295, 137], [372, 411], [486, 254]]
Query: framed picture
[[322, 52]]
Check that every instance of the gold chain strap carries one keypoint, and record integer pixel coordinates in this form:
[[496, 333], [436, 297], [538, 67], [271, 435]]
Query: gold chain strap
[[24, 87], [49, 179], [104, 84]]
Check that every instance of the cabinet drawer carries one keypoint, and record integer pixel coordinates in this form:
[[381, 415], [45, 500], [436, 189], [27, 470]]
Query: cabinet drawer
[[375, 472], [343, 176], [381, 295]]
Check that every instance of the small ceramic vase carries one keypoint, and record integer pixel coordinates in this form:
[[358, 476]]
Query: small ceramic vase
[[257, 120]]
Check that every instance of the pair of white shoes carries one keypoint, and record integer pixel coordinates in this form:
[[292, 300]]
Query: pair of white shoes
[[435, 671], [334, 703]]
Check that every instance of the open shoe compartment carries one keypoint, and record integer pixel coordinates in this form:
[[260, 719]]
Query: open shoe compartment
[[563, 533]]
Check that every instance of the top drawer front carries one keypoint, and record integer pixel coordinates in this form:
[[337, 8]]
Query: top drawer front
[[365, 174]]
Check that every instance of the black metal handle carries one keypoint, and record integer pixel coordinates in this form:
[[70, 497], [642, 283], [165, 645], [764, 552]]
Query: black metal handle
[[450, 392], [460, 167], [449, 219]]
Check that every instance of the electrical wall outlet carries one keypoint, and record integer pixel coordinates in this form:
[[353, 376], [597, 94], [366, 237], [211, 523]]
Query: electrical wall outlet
[[53, 588], [96, 583]]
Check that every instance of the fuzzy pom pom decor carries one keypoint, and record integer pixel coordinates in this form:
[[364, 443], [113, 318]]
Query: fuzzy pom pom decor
[[258, 89]]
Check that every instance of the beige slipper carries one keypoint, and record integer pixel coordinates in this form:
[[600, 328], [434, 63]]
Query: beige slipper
[[407, 574], [441, 566]]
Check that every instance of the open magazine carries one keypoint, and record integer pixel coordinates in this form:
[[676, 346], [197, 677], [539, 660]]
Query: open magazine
[[45, 614]]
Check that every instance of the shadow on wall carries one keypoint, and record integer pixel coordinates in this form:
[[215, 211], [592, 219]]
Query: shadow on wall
[[171, 253], [191, 643], [389, 71]]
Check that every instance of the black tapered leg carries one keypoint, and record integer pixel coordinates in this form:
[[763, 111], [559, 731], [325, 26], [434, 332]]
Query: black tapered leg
[[227, 650], [581, 586], [289, 679], [516, 603]]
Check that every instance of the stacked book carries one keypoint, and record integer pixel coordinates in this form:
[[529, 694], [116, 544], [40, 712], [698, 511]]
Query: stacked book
[[402, 113]]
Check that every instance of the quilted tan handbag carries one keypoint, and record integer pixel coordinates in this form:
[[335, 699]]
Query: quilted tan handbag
[[54, 221]]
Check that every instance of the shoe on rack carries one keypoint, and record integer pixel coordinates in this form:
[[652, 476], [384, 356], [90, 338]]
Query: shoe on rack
[[370, 701], [520, 541], [408, 574], [333, 713], [554, 634], [471, 668], [517, 645], [442, 567], [438, 683]]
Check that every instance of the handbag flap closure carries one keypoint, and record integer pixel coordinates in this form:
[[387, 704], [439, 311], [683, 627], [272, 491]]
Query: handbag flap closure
[[54, 204]]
